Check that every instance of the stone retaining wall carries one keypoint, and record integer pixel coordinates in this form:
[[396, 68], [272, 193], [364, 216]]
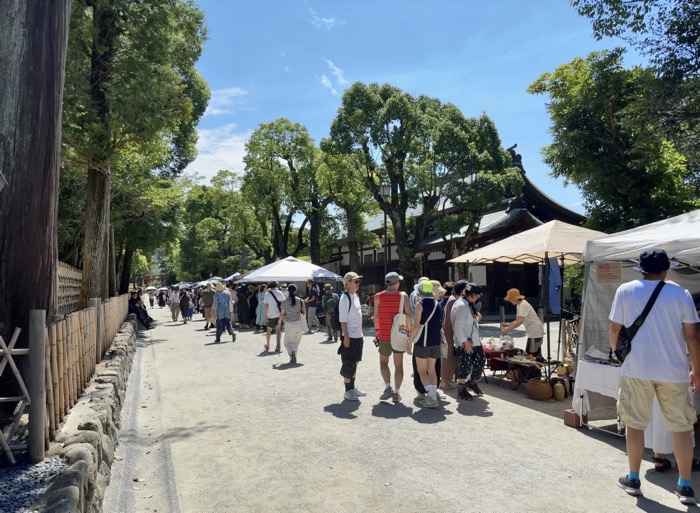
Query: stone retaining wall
[[89, 433]]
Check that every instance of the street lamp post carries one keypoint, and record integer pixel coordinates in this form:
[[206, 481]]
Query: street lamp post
[[385, 191]]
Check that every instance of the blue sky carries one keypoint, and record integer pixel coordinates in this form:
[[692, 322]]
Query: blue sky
[[268, 59]]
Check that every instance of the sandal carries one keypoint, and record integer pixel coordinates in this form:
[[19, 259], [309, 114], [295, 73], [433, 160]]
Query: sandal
[[662, 464]]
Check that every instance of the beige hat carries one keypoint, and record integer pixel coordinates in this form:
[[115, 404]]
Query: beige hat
[[219, 287], [351, 276], [513, 295], [437, 288]]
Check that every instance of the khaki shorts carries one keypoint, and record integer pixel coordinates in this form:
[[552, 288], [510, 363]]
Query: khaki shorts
[[385, 349], [634, 404], [209, 314]]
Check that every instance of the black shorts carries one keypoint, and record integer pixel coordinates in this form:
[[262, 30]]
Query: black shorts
[[352, 353]]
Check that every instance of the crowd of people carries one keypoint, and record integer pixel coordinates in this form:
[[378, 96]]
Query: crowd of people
[[434, 315], [437, 325]]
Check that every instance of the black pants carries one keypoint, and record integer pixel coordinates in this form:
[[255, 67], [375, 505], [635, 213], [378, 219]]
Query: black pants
[[350, 357]]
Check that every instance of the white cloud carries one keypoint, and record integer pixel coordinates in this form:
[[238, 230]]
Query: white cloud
[[327, 83], [338, 73], [219, 148], [224, 101], [320, 22]]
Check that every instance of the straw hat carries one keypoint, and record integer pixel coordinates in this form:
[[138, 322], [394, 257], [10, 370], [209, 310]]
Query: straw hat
[[437, 288], [513, 295], [219, 287]]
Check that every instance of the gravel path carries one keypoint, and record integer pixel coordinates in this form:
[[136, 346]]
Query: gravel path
[[230, 428]]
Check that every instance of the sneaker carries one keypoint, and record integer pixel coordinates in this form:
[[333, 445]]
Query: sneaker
[[440, 394], [293, 357], [684, 493], [233, 336], [388, 393], [475, 387], [396, 397], [350, 395], [359, 393], [430, 402], [464, 393], [421, 396], [633, 486]]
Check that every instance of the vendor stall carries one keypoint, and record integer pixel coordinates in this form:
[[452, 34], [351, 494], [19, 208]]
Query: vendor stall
[[609, 262]]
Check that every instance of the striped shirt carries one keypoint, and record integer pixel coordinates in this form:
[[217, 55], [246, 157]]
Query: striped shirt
[[292, 313]]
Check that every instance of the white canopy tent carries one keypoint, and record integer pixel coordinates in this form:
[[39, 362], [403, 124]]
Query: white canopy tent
[[554, 239], [289, 269], [609, 261]]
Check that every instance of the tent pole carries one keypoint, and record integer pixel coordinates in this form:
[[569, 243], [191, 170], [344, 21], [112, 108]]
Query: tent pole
[[545, 297], [561, 302]]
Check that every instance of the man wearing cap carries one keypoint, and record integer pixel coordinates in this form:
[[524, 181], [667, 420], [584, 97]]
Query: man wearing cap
[[310, 304], [273, 308], [657, 365], [415, 296], [350, 349], [208, 295], [329, 301], [525, 314], [386, 305]]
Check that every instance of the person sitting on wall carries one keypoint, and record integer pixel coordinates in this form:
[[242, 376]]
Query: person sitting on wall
[[135, 307]]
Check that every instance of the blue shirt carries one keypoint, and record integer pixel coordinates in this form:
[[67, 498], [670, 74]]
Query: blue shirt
[[221, 304]]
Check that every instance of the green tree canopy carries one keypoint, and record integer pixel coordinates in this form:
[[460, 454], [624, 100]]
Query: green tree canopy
[[628, 172], [416, 145]]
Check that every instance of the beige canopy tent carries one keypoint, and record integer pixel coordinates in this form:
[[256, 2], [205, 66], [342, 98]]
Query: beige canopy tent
[[554, 239]]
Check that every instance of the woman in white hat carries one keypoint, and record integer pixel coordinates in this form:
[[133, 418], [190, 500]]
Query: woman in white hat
[[525, 314]]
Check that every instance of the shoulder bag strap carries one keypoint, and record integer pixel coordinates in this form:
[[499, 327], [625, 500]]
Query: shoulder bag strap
[[403, 296], [640, 320]]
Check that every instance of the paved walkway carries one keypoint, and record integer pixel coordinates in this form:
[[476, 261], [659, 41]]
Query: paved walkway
[[231, 428]]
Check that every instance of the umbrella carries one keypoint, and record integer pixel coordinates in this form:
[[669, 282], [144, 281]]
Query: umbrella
[[537, 245], [150, 287], [290, 269], [163, 288], [229, 278]]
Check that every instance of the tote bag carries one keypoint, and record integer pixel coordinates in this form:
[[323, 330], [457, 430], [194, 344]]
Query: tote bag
[[399, 328]]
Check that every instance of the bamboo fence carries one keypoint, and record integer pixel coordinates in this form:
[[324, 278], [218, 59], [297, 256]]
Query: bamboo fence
[[71, 355]]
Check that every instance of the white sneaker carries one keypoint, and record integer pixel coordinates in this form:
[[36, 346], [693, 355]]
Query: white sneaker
[[359, 393], [421, 396], [350, 395], [440, 394], [430, 402]]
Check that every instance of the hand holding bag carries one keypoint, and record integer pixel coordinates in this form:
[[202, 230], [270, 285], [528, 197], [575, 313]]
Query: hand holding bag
[[624, 338]]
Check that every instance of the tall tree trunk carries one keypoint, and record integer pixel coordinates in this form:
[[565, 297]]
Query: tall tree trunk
[[126, 270], [97, 203], [315, 234], [33, 42], [353, 224]]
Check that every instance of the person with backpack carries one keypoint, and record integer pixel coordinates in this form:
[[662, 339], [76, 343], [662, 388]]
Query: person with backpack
[[273, 308], [329, 301], [387, 305]]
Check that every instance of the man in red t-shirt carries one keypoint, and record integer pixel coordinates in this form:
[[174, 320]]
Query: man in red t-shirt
[[386, 306]]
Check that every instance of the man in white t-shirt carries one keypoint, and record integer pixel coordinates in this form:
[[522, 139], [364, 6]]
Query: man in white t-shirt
[[525, 314], [657, 365], [273, 302], [350, 349]]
